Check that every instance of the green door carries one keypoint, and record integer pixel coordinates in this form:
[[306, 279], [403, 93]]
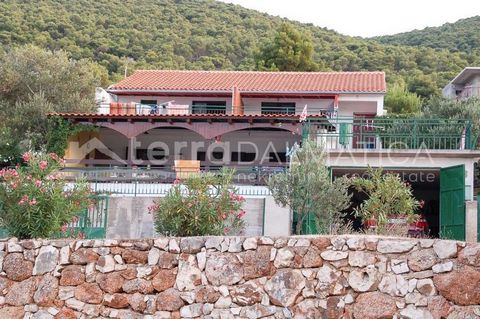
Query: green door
[[452, 202]]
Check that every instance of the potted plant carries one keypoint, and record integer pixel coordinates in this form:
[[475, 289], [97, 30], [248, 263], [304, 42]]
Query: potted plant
[[390, 203]]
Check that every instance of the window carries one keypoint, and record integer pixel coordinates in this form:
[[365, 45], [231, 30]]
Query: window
[[216, 156], [243, 157], [209, 107], [148, 102], [155, 153], [278, 157], [278, 108]]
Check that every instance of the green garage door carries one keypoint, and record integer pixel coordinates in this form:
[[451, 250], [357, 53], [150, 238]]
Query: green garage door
[[452, 202]]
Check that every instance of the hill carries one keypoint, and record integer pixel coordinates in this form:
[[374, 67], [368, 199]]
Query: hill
[[205, 34], [461, 36]]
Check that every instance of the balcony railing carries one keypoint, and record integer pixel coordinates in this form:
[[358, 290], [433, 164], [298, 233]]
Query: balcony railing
[[177, 109], [387, 133], [244, 175]]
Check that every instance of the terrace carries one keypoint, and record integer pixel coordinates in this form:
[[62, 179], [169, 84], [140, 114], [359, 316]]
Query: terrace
[[339, 134]]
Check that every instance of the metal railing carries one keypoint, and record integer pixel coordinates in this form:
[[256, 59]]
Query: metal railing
[[176, 109], [249, 181], [393, 133], [160, 109]]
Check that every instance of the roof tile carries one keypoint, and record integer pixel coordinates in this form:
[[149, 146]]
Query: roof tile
[[252, 82]]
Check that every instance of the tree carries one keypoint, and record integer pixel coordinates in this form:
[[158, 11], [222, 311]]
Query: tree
[[469, 109], [400, 101], [306, 187], [291, 50], [35, 82]]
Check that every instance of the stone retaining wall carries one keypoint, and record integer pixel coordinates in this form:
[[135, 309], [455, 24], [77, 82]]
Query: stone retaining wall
[[232, 277]]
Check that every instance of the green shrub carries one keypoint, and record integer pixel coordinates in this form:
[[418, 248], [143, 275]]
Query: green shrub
[[388, 196], [202, 204], [35, 201]]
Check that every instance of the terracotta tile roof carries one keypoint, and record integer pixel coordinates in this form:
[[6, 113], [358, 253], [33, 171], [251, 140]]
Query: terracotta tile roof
[[183, 116], [252, 82]]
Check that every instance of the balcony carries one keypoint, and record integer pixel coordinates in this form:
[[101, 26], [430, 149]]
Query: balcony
[[469, 91], [387, 133], [180, 109]]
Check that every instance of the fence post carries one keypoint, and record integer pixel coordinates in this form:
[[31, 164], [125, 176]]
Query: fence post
[[415, 135]]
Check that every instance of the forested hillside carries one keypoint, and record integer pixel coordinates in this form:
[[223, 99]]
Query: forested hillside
[[461, 36], [205, 34]]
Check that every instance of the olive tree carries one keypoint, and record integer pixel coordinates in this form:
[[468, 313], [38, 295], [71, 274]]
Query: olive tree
[[307, 188]]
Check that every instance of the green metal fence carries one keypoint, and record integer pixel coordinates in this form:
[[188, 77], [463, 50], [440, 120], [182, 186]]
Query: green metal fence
[[401, 133]]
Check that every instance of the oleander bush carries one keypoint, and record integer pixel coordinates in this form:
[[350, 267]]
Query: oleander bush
[[35, 201], [201, 204]]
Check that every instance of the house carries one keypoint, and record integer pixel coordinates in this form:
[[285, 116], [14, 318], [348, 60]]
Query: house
[[465, 85], [160, 124]]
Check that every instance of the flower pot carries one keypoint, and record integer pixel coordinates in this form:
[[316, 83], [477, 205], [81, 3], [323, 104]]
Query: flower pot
[[398, 225], [370, 223]]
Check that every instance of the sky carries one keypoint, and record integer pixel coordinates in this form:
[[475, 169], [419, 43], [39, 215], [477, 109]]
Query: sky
[[367, 18]]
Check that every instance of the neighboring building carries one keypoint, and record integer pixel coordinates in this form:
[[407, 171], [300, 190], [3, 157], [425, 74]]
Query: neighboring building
[[166, 123], [465, 85]]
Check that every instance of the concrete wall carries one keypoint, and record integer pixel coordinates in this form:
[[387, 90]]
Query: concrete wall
[[236, 277], [409, 159], [471, 215], [128, 217]]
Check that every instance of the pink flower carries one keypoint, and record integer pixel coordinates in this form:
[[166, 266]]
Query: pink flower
[[23, 200], [32, 202], [241, 214], [43, 165], [38, 183], [64, 228], [224, 216], [27, 156], [176, 181], [226, 230]]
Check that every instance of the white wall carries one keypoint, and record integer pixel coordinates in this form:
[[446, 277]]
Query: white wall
[[406, 160], [348, 103]]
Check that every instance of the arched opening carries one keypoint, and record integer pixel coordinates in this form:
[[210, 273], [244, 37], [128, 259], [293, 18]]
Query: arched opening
[[101, 147], [161, 146]]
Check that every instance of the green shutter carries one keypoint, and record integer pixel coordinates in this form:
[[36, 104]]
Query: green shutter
[[452, 202]]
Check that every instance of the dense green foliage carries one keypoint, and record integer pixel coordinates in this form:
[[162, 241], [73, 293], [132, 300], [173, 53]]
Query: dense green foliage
[[307, 188], [205, 34], [290, 50], [199, 205], [455, 110], [400, 101], [33, 83], [34, 202], [461, 36], [59, 132]]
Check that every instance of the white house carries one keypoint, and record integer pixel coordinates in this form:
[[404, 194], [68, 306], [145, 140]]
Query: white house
[[159, 120]]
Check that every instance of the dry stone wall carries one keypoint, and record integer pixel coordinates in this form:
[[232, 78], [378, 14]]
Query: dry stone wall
[[233, 277]]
